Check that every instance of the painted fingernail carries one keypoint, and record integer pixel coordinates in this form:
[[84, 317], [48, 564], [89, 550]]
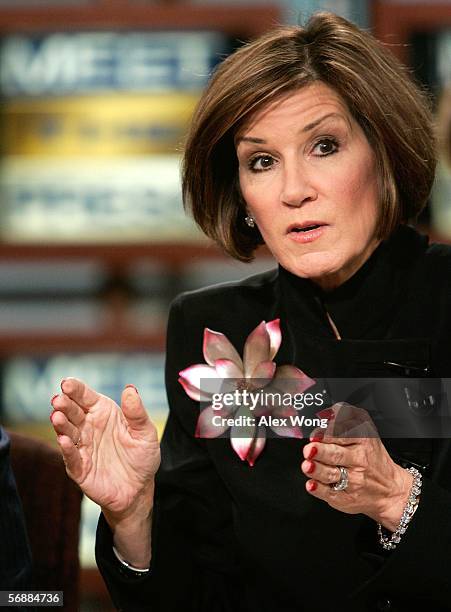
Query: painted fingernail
[[50, 417], [53, 398], [318, 437], [131, 387], [311, 485], [310, 468], [327, 413], [312, 452]]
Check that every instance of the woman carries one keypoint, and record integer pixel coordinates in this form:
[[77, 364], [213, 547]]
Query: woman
[[313, 141]]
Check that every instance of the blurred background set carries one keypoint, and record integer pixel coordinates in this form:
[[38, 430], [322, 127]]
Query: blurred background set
[[96, 97]]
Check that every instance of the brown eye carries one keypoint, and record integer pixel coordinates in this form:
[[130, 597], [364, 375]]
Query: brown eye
[[325, 147], [261, 163]]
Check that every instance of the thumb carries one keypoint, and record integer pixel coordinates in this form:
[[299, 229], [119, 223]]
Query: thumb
[[133, 410]]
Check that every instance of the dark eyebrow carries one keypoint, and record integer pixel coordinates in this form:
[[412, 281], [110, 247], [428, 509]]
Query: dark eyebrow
[[312, 125], [250, 139], [306, 128]]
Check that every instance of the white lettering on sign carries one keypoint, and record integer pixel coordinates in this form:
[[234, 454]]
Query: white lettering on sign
[[121, 198], [104, 61], [29, 383]]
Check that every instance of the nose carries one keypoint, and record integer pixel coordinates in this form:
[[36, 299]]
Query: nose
[[297, 187]]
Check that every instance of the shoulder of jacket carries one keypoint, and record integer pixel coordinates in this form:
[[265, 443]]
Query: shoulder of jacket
[[256, 286], [434, 273], [436, 251], [438, 263]]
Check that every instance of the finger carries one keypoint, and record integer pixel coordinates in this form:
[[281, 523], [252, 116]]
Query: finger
[[355, 430], [134, 411], [345, 421], [71, 457], [345, 424], [330, 438], [346, 429], [72, 411], [63, 427], [326, 436], [349, 421], [326, 474], [324, 492], [329, 453], [345, 411], [79, 392]]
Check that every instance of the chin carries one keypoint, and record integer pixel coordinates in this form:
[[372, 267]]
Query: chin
[[314, 266]]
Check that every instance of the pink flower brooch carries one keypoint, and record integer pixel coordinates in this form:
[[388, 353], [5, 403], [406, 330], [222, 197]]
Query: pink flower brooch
[[245, 395]]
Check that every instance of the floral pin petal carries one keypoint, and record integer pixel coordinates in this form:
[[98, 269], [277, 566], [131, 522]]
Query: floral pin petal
[[195, 374], [241, 446], [227, 373], [257, 446], [288, 431], [218, 346], [292, 429], [242, 435], [193, 392], [228, 369], [205, 427], [262, 408], [297, 380], [264, 370], [256, 349], [275, 336]]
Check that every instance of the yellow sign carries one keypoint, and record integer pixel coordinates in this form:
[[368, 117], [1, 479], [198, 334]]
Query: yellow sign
[[103, 125]]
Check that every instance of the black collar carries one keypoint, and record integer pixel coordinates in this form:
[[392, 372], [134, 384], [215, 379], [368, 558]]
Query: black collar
[[364, 305]]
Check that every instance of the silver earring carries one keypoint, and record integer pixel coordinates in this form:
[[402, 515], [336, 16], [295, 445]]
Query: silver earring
[[250, 221]]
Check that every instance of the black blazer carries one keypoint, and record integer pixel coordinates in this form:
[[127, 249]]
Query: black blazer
[[228, 537], [15, 558]]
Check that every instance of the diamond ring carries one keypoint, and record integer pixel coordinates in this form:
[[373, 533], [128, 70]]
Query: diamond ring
[[343, 481]]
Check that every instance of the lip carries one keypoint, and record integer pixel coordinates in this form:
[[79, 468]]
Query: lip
[[308, 223], [304, 237]]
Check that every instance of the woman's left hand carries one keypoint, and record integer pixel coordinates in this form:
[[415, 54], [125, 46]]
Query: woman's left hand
[[377, 486]]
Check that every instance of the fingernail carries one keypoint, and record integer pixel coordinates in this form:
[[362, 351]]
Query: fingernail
[[311, 485], [53, 398], [131, 387], [312, 452], [310, 468], [62, 383], [50, 417], [318, 437]]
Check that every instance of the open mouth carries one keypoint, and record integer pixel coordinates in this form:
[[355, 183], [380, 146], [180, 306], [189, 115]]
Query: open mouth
[[307, 228]]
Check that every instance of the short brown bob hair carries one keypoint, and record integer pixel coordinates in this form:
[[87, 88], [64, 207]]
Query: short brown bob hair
[[392, 111]]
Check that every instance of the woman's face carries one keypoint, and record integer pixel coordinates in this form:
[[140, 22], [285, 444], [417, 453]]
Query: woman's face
[[308, 177]]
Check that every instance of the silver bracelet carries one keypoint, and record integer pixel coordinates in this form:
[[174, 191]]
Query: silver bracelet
[[389, 543], [137, 570]]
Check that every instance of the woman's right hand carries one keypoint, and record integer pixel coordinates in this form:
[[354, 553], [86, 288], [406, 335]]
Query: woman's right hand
[[111, 452]]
